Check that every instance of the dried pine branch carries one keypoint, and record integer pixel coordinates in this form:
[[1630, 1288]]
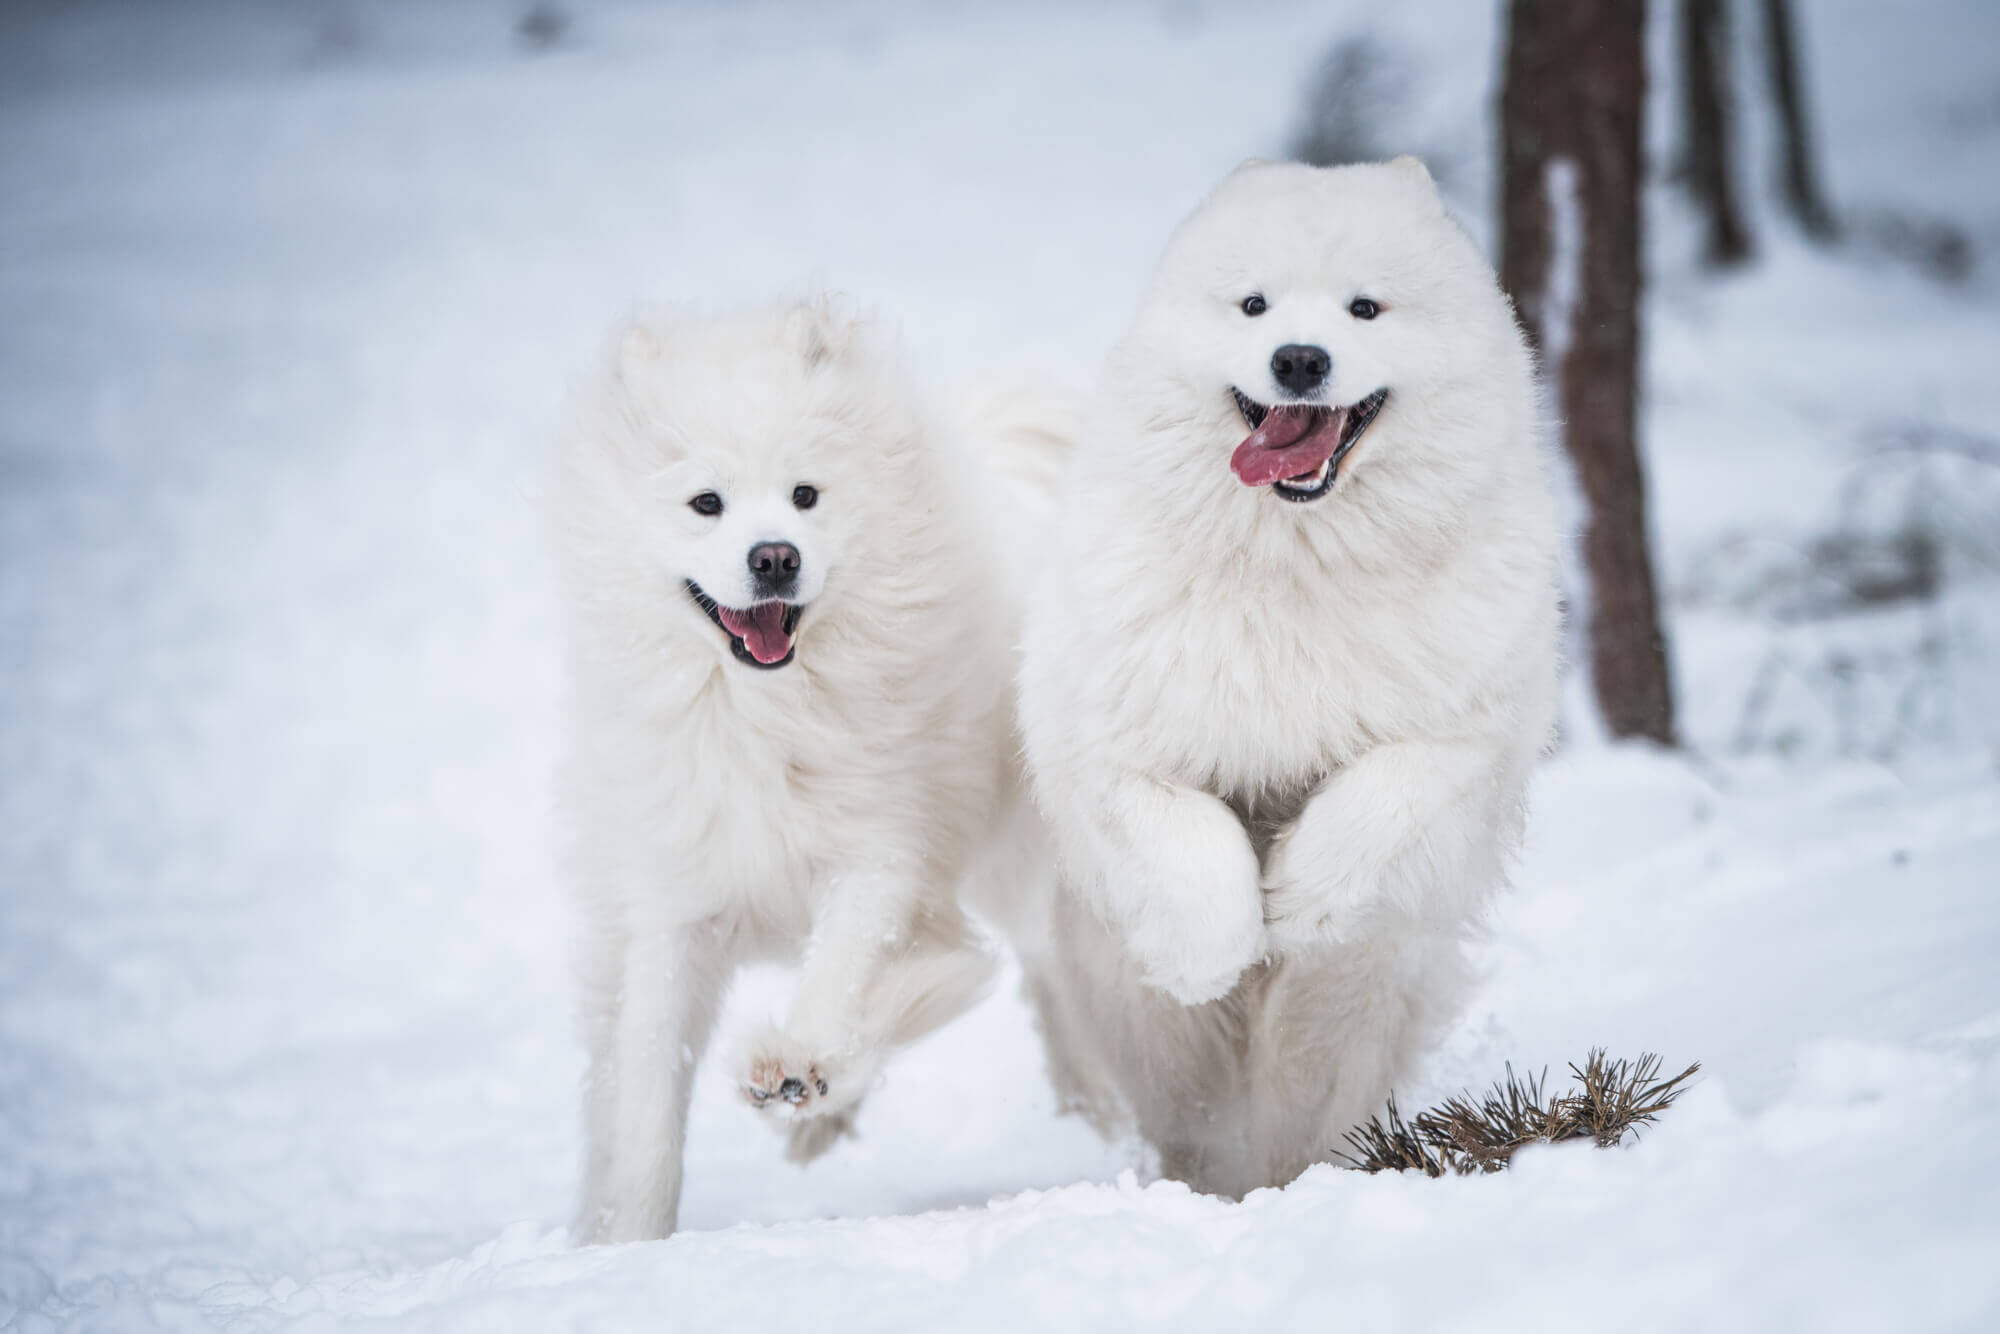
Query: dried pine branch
[[1393, 1145], [1464, 1135]]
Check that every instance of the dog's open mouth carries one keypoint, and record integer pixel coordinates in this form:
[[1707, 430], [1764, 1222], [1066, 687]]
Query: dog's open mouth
[[761, 635], [1296, 448]]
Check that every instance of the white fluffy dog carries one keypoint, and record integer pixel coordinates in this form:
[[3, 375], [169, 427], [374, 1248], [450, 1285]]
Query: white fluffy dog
[[789, 726], [1289, 669]]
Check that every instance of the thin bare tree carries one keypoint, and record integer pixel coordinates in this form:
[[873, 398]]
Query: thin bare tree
[[1571, 168], [1798, 172], [1708, 147]]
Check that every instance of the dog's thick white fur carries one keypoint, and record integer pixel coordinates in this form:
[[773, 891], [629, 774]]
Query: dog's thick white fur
[[719, 808], [1283, 742]]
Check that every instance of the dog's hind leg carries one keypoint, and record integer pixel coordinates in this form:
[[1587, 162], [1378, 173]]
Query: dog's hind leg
[[673, 980], [1339, 1029], [1076, 1068], [1174, 1071], [808, 1139], [937, 976]]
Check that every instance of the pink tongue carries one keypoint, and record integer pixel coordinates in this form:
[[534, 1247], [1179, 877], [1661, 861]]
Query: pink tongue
[[1290, 443], [762, 629]]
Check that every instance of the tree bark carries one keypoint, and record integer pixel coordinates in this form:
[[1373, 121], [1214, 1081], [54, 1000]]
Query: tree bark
[[1708, 147], [1571, 168], [1798, 175]]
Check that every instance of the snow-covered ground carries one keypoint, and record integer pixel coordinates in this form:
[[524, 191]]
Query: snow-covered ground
[[292, 295]]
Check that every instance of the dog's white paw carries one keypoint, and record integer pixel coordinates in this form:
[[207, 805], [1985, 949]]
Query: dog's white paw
[[1299, 917], [1202, 920], [778, 1073], [1320, 888]]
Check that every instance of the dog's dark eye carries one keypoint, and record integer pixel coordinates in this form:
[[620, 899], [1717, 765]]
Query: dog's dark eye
[[805, 497], [706, 503], [1361, 308], [1255, 304]]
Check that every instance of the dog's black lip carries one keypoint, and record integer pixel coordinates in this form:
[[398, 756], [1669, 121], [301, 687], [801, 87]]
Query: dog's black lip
[[1364, 414], [736, 645], [1253, 411]]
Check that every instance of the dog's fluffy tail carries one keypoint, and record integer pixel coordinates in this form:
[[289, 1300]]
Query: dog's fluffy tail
[[1019, 430], [1016, 436]]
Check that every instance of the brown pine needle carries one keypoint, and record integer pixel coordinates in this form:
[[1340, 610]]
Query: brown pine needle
[[1464, 1135]]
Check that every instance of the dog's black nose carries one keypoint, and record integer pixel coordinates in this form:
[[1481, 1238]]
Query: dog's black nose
[[1299, 367], [774, 565]]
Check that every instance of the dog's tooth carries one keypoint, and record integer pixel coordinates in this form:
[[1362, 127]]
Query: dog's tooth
[[1307, 481]]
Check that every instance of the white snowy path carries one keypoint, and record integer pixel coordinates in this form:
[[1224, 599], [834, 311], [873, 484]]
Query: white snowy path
[[291, 296]]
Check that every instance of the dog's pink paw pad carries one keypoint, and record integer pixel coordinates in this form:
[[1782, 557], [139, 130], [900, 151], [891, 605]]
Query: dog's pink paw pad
[[768, 1083]]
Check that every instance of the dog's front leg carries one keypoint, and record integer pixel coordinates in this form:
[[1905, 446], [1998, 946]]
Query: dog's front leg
[[1409, 828], [672, 980], [1171, 871], [884, 966]]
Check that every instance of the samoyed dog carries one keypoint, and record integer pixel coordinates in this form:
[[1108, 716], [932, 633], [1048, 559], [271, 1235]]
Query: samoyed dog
[[1288, 669], [789, 725]]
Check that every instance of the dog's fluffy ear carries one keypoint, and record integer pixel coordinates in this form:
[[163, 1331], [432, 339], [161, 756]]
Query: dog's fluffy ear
[[1415, 177], [1413, 169], [639, 348], [1413, 173], [824, 328], [1249, 166]]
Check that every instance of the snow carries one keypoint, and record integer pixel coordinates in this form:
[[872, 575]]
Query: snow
[[294, 294]]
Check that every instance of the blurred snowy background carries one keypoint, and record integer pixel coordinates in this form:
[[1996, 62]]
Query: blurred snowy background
[[293, 293]]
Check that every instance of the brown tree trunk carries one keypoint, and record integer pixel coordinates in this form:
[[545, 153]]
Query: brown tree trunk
[[1797, 173], [1708, 147], [1571, 167]]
